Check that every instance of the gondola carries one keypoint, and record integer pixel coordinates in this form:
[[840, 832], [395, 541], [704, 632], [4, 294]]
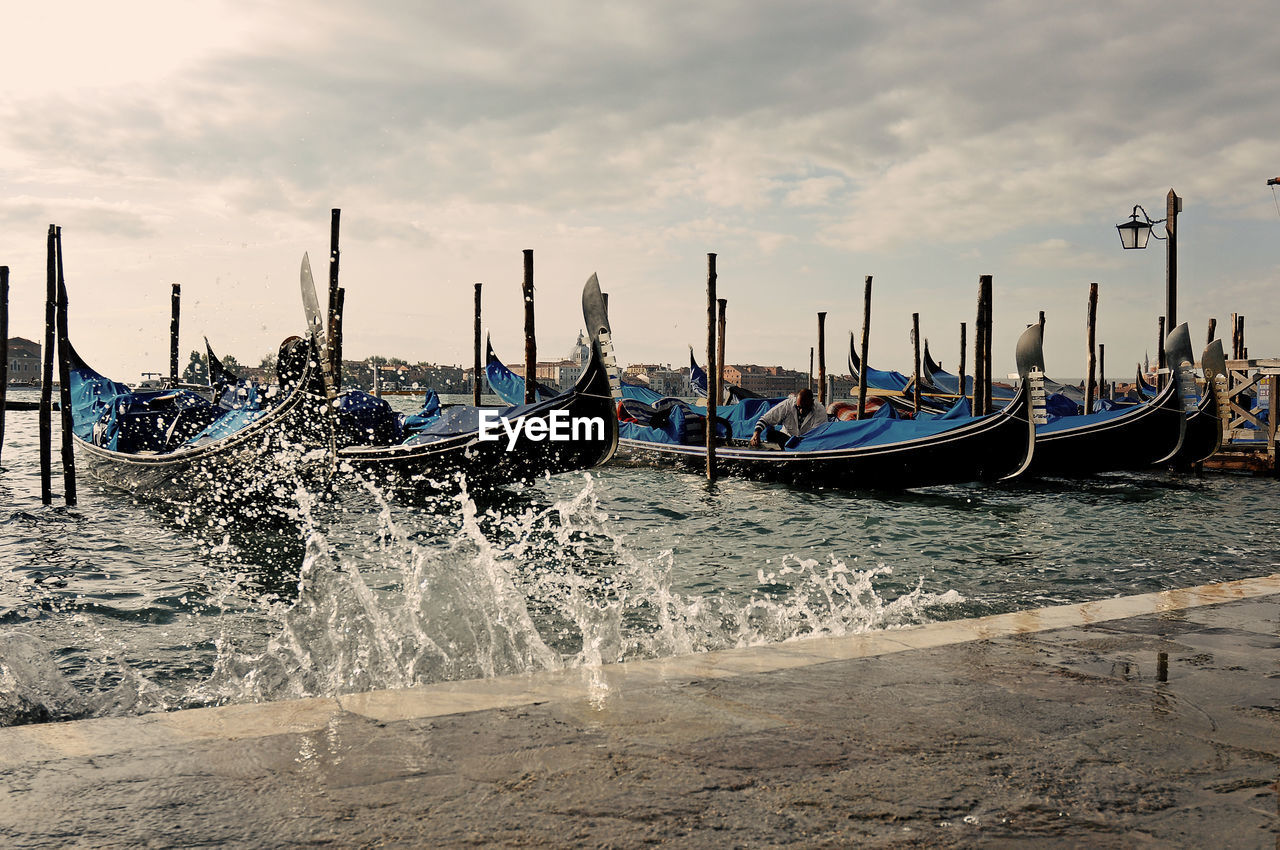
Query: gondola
[[467, 444], [1141, 388], [177, 445], [1204, 425], [879, 453], [1127, 438]]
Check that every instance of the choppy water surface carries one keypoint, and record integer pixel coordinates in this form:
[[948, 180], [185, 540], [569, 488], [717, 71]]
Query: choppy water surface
[[120, 605]]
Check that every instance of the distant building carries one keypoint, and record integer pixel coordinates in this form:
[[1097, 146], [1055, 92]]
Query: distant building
[[555, 374], [581, 351], [842, 386], [560, 374], [768, 381], [670, 382], [404, 376], [24, 361], [639, 372]]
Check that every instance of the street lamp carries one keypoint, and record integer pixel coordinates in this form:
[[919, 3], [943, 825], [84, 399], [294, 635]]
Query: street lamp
[[1134, 234]]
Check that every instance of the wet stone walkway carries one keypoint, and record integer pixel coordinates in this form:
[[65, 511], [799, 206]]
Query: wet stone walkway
[[1149, 721]]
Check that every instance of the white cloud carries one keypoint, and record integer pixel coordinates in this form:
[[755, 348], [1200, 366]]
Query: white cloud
[[1062, 254], [632, 141]]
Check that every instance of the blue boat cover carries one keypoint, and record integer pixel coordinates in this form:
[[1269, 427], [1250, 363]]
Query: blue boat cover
[[412, 423], [960, 410], [1058, 405], [92, 397], [870, 432], [362, 419], [881, 428], [697, 377], [949, 383], [639, 393], [672, 429], [1066, 423], [228, 423], [742, 417], [460, 419], [882, 380], [509, 386]]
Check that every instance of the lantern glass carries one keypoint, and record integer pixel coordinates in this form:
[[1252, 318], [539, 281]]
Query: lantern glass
[[1134, 234]]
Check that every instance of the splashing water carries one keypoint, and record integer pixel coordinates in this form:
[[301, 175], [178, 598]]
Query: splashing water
[[121, 606], [540, 589]]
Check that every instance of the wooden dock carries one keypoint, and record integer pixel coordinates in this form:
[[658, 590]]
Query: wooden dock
[[1249, 437]]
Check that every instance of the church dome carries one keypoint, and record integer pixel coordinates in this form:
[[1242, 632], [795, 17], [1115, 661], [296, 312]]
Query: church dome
[[581, 351]]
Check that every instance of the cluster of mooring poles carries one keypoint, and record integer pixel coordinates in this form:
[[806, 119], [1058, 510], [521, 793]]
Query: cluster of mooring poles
[[331, 358], [55, 330], [4, 348], [530, 339]]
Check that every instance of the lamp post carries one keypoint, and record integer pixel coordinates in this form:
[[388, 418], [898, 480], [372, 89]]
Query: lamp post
[[1134, 235]]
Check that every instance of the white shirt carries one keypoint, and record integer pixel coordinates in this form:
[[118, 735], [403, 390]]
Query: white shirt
[[785, 416]]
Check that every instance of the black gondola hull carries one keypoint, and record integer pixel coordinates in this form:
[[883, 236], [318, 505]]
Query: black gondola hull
[[986, 449], [259, 465], [1146, 435], [589, 409]]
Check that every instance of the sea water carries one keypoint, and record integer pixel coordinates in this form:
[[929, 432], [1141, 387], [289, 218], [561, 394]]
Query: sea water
[[121, 605]]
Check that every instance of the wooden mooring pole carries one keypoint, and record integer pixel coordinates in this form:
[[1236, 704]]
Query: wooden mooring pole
[[713, 391], [1213, 328], [175, 314], [46, 371], [960, 387], [64, 383], [1102, 372], [530, 339], [1091, 327], [1160, 376], [723, 304], [476, 366], [822, 358], [335, 301], [915, 363], [988, 333], [1235, 336], [978, 329], [1173, 206], [811, 368], [862, 348], [4, 347], [982, 349], [337, 339]]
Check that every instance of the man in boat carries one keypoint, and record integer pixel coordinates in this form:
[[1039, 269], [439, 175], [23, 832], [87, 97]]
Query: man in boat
[[793, 417]]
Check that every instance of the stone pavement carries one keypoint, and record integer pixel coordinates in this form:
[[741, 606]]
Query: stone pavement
[[1146, 721]]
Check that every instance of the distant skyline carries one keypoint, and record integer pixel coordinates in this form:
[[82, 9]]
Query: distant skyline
[[806, 144]]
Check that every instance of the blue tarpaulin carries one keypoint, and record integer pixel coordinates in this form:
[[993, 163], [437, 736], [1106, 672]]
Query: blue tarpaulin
[[509, 386], [412, 423], [1066, 423], [871, 432], [361, 419], [959, 410]]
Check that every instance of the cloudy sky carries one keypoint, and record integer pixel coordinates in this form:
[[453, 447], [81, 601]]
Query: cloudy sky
[[807, 144]]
